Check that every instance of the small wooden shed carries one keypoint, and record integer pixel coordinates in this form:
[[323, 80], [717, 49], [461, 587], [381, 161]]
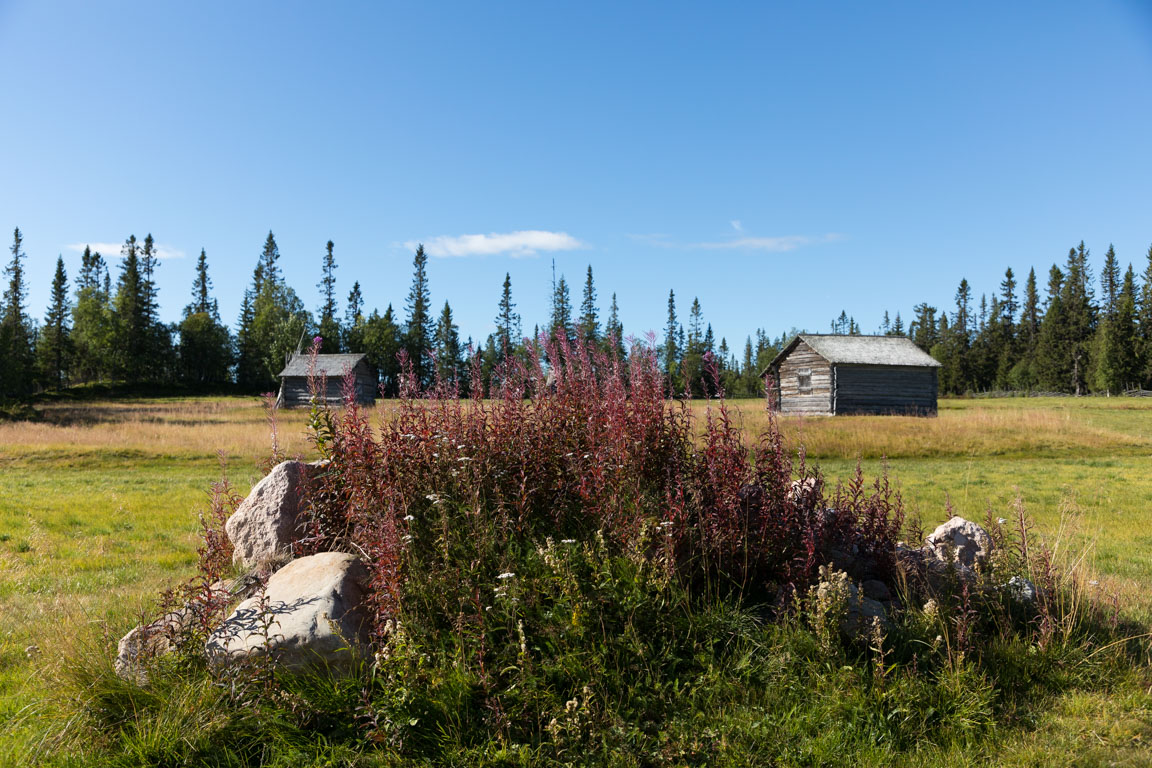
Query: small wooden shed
[[817, 373], [294, 390]]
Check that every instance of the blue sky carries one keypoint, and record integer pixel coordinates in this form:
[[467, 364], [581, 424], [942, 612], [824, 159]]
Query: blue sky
[[778, 161]]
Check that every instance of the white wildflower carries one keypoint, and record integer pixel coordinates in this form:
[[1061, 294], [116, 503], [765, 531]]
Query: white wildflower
[[567, 541], [408, 518], [1000, 521]]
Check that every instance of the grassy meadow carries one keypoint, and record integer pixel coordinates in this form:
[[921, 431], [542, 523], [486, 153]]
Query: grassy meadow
[[99, 501]]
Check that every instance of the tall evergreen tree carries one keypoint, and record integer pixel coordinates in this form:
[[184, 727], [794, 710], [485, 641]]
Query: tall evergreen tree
[[16, 331], [449, 362], [205, 349], [672, 346], [1144, 310], [589, 326], [614, 332], [132, 316], [508, 331], [329, 329], [381, 341], [277, 322], [1110, 283], [54, 348], [92, 320], [923, 330], [1118, 365], [561, 319], [418, 336]]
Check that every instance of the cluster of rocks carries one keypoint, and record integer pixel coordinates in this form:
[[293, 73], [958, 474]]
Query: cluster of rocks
[[310, 611], [951, 557]]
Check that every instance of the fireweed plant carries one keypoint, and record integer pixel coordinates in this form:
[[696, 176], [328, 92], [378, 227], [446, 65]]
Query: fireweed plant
[[568, 570]]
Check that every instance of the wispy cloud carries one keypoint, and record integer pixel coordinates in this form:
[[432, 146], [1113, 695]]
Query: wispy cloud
[[736, 225], [163, 252], [777, 244], [521, 244]]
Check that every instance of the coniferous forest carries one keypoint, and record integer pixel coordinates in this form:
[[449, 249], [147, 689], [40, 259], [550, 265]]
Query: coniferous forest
[[1075, 333]]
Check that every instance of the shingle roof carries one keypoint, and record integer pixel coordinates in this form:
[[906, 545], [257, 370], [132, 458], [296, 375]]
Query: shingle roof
[[327, 365], [862, 350]]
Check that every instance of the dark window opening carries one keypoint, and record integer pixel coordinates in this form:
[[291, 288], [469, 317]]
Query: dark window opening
[[804, 380]]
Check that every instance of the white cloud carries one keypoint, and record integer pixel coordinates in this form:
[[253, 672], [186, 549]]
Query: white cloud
[[112, 250], [523, 243], [736, 225]]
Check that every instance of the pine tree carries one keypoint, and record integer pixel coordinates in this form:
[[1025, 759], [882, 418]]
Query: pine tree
[[1144, 309], [202, 302], [1110, 283], [16, 332], [205, 349], [448, 359], [92, 320], [131, 327], [418, 336], [55, 345], [507, 321], [1080, 318], [381, 341], [923, 329], [885, 324], [561, 319], [158, 358], [614, 332], [1117, 364], [277, 321], [589, 325], [1008, 304], [329, 329], [672, 347], [897, 326]]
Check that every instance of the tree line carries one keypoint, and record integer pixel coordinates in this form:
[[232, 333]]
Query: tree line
[[108, 330], [1063, 338]]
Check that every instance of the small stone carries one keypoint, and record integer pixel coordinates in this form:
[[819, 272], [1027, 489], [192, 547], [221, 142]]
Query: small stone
[[1021, 590], [877, 590]]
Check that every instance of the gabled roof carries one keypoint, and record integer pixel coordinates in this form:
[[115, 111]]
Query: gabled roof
[[331, 366], [860, 350]]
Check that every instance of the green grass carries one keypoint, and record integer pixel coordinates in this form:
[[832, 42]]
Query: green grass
[[98, 507]]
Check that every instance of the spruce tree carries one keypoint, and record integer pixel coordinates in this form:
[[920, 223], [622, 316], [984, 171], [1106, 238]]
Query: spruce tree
[[92, 320], [561, 319], [1144, 322], [131, 318], [507, 321], [614, 332], [329, 329], [418, 336], [276, 323], [1117, 364], [448, 359], [1109, 283], [672, 347], [205, 349], [589, 326], [55, 345], [16, 350], [381, 340]]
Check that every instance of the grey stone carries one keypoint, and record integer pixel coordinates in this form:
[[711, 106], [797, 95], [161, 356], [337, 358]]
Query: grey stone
[[859, 613], [263, 527], [147, 641], [311, 613], [1021, 590], [876, 589], [960, 541]]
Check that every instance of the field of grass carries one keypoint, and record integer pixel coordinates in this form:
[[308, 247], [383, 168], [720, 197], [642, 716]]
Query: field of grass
[[98, 506]]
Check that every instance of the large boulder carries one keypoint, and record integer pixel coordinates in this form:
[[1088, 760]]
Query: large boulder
[[263, 527], [311, 612], [960, 541]]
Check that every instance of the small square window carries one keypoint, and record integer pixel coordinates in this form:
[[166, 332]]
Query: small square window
[[804, 380]]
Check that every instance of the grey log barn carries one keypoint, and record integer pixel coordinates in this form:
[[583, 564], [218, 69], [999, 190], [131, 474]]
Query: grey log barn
[[294, 390], [852, 374]]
